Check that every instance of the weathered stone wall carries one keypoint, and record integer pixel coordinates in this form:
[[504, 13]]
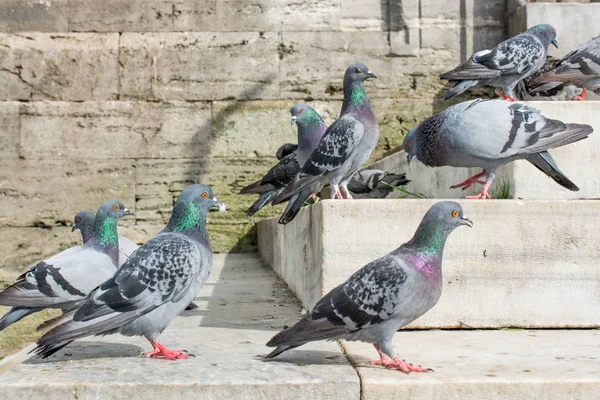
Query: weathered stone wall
[[135, 99]]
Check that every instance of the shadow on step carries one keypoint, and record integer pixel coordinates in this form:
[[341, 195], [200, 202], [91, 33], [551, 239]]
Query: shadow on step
[[87, 350]]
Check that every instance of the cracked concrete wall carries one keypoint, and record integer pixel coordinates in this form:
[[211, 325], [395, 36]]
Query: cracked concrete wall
[[137, 99]]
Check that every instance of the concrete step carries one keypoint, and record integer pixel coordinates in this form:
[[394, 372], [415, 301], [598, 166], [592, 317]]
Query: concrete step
[[524, 181], [243, 304], [523, 264]]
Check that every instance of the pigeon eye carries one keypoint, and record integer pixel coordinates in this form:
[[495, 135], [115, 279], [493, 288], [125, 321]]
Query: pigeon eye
[[116, 207], [553, 32], [408, 144], [300, 111], [77, 219], [204, 195], [454, 213], [357, 71]]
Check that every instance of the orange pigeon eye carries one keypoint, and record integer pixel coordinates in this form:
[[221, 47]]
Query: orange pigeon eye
[[300, 111], [408, 144], [357, 71], [454, 213], [116, 207], [77, 219], [204, 195]]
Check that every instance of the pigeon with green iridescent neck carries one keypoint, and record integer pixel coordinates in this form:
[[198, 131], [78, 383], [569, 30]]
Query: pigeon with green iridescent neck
[[383, 296], [84, 221], [311, 128], [155, 285], [505, 65], [66, 278], [344, 148]]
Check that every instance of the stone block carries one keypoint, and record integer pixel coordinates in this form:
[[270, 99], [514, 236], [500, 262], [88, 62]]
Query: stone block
[[65, 66], [48, 193], [378, 15], [523, 264], [574, 23], [9, 128], [199, 66], [33, 15], [114, 130]]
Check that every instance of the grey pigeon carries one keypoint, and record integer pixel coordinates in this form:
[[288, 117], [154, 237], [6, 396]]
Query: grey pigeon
[[155, 285], [84, 221], [66, 278], [489, 134], [383, 296], [345, 147], [311, 128], [581, 68], [285, 150], [375, 183], [505, 65]]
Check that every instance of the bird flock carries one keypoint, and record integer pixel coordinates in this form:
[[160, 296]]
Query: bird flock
[[110, 285]]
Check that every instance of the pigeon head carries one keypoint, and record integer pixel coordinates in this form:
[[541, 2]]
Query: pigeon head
[[105, 235], [546, 33], [285, 150], [191, 207], [448, 214], [357, 73], [84, 221], [303, 115], [112, 209], [410, 145]]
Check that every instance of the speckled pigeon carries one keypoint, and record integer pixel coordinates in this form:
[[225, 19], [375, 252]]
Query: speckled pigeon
[[581, 68], [489, 134], [66, 278], [555, 91], [505, 65], [375, 183], [154, 286], [310, 130], [345, 147], [84, 221], [383, 296]]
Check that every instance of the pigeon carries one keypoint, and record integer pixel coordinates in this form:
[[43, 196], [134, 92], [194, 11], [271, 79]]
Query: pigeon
[[555, 91], [154, 285], [66, 278], [346, 145], [384, 295], [311, 128], [581, 68], [489, 134], [84, 221], [505, 65], [375, 183]]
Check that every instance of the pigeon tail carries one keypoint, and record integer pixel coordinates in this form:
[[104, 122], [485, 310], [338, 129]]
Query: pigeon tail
[[257, 187], [279, 350], [459, 88], [45, 351], [294, 205], [300, 185], [557, 134], [545, 163], [264, 199], [16, 314], [192, 306]]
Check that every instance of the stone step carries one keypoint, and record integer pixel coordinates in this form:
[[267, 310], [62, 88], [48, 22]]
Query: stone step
[[243, 304], [524, 181], [523, 264]]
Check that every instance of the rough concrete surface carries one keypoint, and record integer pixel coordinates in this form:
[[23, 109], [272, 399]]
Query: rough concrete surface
[[524, 263], [519, 365], [241, 306]]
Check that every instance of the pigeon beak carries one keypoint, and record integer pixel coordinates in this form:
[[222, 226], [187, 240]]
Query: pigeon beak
[[408, 158], [555, 43], [126, 211], [466, 221], [294, 118], [221, 206], [74, 228], [371, 75]]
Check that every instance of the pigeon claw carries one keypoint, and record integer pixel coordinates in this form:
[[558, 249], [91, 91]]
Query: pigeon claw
[[161, 351], [581, 97], [401, 365], [505, 97]]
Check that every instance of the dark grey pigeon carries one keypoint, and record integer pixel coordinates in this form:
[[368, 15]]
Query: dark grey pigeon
[[84, 221], [489, 134], [383, 296], [311, 128], [66, 278], [375, 183], [345, 147], [581, 68], [155, 285], [505, 65], [554, 91], [285, 150]]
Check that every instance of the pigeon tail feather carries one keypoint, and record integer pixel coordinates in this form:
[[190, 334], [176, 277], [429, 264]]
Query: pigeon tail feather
[[557, 134], [16, 314], [545, 163], [459, 88], [264, 199], [294, 205], [257, 187], [46, 351]]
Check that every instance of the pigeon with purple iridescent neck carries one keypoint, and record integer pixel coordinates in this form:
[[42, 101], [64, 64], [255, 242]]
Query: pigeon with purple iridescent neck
[[344, 148], [311, 128], [66, 278], [383, 296]]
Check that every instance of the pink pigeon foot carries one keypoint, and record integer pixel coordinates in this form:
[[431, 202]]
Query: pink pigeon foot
[[161, 351], [346, 193], [313, 196], [581, 97], [469, 182], [338, 195], [397, 363], [484, 193], [504, 97]]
